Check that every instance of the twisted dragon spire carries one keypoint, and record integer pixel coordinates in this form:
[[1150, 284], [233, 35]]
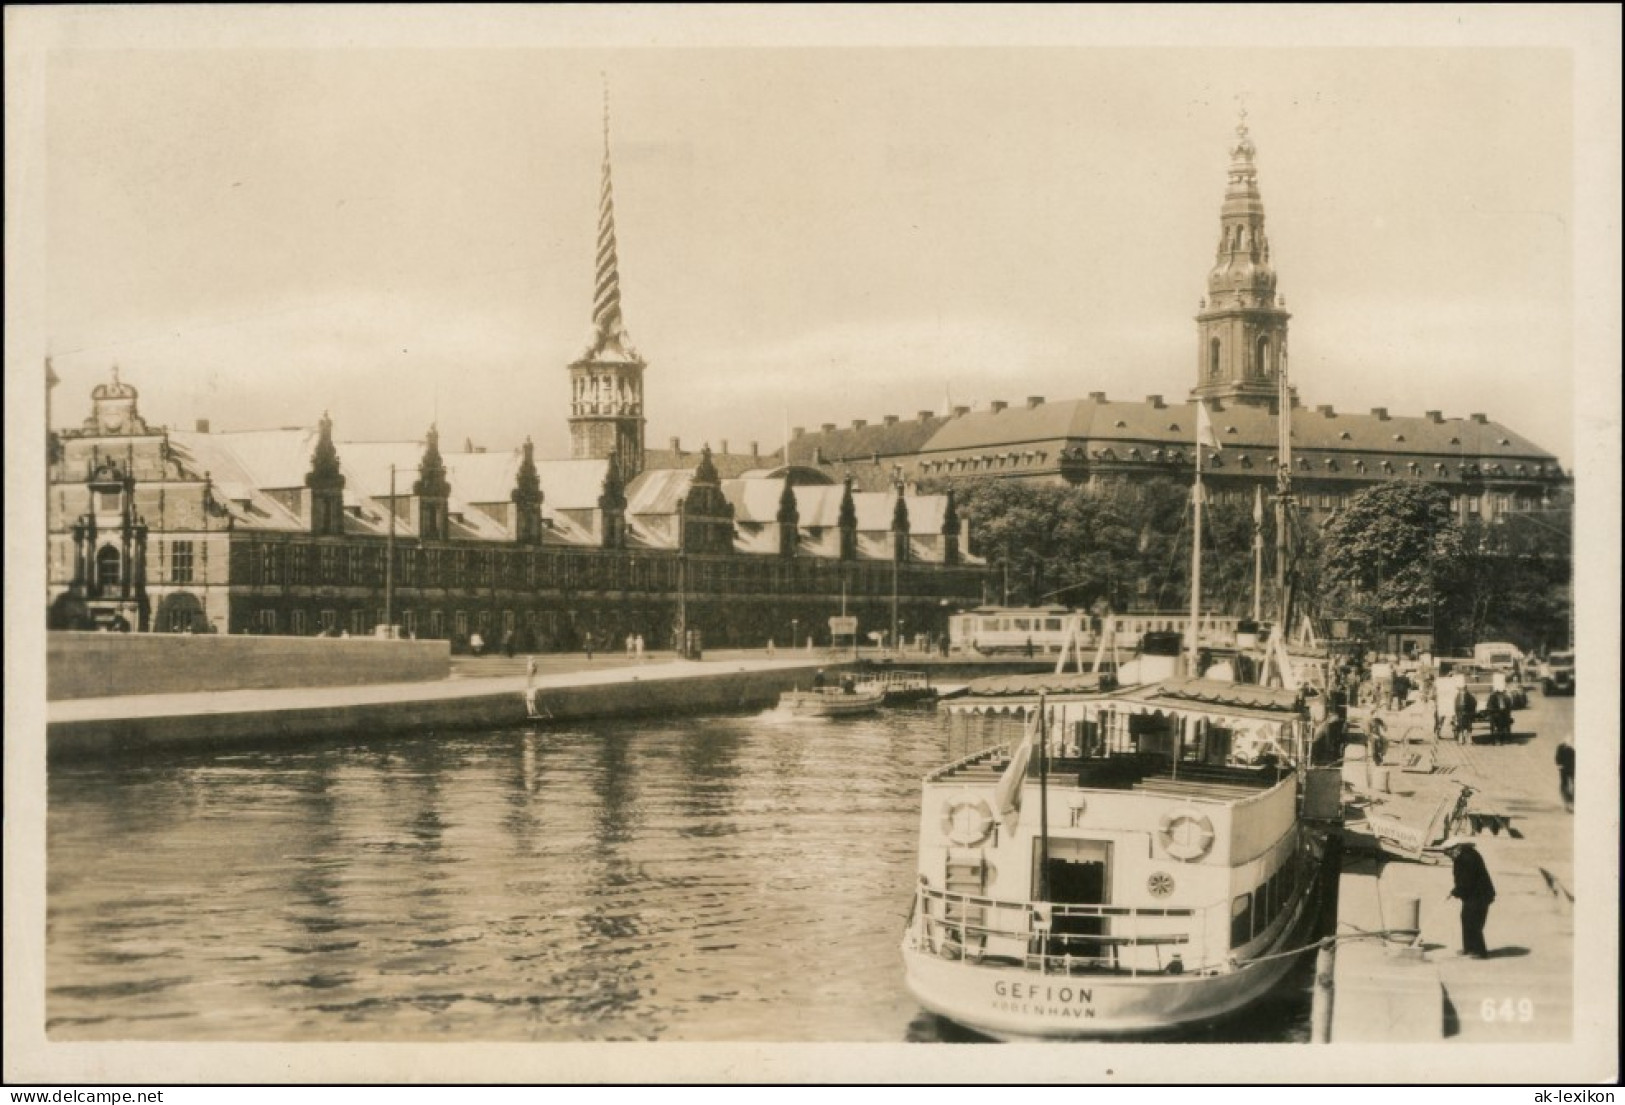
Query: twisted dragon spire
[[609, 330]]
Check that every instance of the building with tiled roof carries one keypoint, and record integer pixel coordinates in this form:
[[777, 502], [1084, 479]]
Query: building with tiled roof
[[1241, 371], [296, 531]]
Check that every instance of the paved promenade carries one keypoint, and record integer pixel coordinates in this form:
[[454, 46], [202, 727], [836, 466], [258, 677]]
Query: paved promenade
[[1524, 991]]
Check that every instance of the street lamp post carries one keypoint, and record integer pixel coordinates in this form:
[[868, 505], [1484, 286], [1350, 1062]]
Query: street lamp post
[[389, 562], [896, 641]]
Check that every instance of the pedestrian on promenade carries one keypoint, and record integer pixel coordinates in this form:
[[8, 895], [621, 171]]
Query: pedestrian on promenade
[[1565, 772], [770, 648], [507, 644], [1476, 891], [629, 645], [1466, 710], [637, 647], [588, 642]]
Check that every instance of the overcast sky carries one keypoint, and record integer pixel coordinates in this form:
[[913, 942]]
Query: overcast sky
[[395, 236]]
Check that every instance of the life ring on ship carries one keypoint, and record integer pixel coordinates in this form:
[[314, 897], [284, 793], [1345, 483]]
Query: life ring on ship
[[1185, 835], [967, 823]]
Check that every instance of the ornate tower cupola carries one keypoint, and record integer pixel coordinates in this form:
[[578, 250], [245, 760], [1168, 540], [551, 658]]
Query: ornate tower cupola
[[848, 522], [789, 520], [606, 382], [527, 500], [325, 482], [433, 491], [1241, 348]]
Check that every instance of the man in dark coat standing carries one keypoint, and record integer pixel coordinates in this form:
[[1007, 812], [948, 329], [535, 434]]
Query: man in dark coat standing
[[1476, 891], [1565, 772]]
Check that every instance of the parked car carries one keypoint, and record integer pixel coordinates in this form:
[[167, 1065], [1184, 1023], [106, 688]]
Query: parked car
[[1557, 674]]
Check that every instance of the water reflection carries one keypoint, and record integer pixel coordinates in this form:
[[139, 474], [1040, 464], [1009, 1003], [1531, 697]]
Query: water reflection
[[728, 878]]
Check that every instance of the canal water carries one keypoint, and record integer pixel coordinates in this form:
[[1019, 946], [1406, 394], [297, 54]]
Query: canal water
[[740, 878]]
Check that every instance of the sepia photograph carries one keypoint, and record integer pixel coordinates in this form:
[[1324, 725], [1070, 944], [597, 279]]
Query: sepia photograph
[[812, 545]]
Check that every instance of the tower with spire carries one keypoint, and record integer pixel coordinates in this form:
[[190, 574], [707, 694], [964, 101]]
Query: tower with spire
[[606, 381], [1241, 347]]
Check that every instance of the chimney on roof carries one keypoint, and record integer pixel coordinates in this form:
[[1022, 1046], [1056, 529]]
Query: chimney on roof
[[1155, 401], [1034, 401], [799, 431], [961, 411], [828, 427], [468, 445], [1097, 397], [926, 416], [1380, 413], [890, 420], [203, 425], [724, 449], [859, 423], [997, 405], [1479, 418], [677, 446], [1326, 409], [756, 451], [1435, 416]]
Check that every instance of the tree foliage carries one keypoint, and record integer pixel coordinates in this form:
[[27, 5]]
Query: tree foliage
[[1397, 555], [1390, 553], [1124, 546]]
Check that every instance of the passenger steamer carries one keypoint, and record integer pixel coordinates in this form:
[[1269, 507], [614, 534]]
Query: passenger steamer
[[1117, 872]]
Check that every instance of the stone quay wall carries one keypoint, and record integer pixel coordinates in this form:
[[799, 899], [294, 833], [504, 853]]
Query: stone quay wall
[[104, 665]]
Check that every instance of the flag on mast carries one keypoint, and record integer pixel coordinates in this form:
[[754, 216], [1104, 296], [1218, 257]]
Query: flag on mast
[[1204, 428], [1007, 793]]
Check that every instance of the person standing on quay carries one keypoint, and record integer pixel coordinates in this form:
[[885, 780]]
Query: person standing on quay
[[1565, 772], [1476, 891]]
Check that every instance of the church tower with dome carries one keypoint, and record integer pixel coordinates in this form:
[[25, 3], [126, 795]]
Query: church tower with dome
[[1241, 349]]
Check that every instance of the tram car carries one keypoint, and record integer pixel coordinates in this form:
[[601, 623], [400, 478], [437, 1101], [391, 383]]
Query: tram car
[[1047, 630]]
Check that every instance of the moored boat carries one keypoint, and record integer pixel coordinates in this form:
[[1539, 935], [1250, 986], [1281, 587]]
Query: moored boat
[[831, 702], [1114, 872], [897, 688]]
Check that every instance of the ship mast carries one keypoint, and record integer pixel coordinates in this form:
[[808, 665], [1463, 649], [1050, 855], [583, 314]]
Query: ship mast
[[1283, 496]]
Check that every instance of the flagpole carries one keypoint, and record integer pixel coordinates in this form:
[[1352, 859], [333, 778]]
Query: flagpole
[[1196, 542], [1043, 803], [1258, 552]]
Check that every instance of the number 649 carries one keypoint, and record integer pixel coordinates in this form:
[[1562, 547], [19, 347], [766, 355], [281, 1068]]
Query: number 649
[[1521, 1011]]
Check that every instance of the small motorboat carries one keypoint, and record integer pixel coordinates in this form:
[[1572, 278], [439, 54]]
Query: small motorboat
[[831, 702]]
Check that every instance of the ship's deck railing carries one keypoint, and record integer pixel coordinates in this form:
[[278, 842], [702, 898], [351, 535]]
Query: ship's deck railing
[[1045, 936], [1125, 771], [894, 680]]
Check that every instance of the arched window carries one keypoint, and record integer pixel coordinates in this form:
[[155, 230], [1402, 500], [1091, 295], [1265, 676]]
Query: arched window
[[1213, 357], [108, 566], [1263, 356]]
